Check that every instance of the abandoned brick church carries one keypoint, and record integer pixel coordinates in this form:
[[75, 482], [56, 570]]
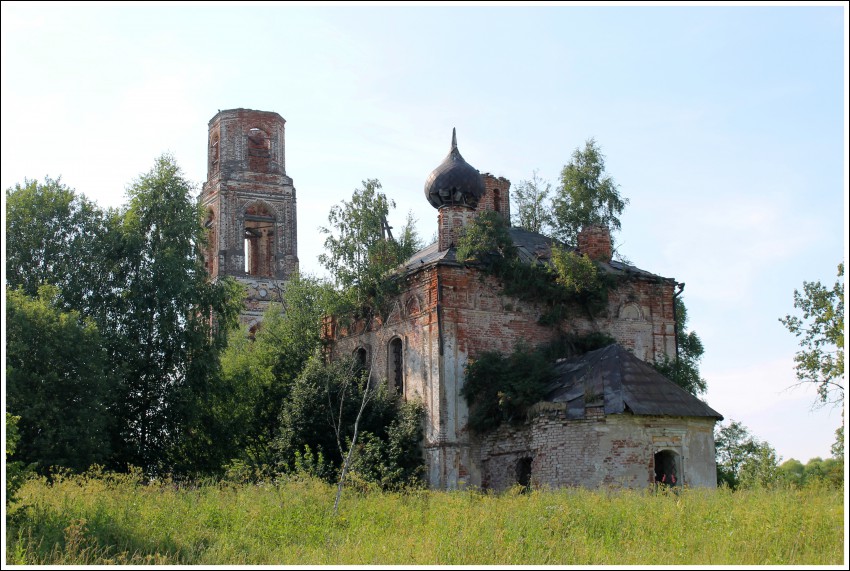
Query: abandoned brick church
[[609, 418]]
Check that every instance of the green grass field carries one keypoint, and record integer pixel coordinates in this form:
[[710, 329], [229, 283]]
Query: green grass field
[[107, 519]]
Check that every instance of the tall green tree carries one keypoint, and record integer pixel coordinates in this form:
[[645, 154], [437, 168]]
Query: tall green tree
[[586, 196], [820, 359], [359, 253], [532, 209], [55, 383], [56, 236], [684, 369], [171, 321]]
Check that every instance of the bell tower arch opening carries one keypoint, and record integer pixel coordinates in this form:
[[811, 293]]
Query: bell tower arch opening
[[259, 240]]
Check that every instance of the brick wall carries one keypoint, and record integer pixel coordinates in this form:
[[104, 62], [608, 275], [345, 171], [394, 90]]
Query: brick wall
[[497, 196]]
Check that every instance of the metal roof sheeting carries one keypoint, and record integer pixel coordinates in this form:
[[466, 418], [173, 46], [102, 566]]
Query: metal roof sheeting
[[621, 382]]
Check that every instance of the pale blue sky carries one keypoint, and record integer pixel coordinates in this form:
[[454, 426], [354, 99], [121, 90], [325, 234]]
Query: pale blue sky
[[724, 126]]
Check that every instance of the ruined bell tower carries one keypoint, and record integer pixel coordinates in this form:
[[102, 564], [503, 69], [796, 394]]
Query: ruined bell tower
[[249, 206]]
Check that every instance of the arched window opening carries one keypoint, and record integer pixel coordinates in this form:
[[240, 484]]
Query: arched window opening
[[497, 199], [361, 357], [210, 255], [259, 241], [668, 468], [395, 361], [523, 472], [259, 150]]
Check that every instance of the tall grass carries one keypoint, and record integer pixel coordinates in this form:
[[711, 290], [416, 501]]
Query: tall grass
[[108, 519]]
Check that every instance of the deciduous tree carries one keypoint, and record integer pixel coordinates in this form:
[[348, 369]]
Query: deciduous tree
[[171, 321], [820, 359], [586, 196], [359, 251], [532, 209], [55, 383], [56, 236]]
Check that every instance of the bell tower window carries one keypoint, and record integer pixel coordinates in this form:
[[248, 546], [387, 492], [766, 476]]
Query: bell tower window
[[259, 241]]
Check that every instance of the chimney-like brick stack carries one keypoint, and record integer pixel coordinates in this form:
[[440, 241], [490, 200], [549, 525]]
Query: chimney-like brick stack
[[595, 241]]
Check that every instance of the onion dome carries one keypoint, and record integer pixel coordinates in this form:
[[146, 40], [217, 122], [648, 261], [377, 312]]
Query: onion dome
[[454, 182]]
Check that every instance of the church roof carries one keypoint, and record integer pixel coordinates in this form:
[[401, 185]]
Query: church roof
[[454, 181], [620, 382], [531, 247]]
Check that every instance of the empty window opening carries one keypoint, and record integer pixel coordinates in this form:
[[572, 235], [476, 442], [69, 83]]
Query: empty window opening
[[361, 357], [259, 241], [497, 199], [667, 468], [523, 472], [395, 361]]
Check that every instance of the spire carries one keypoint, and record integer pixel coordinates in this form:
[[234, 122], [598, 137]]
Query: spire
[[454, 139]]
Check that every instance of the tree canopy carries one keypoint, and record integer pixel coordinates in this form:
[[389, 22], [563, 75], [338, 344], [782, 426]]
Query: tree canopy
[[56, 383], [360, 251], [820, 359], [587, 195], [134, 282], [532, 210]]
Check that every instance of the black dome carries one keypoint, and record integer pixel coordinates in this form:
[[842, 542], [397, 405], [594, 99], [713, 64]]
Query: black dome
[[454, 182]]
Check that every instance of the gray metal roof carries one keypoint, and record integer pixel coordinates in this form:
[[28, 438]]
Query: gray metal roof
[[620, 382]]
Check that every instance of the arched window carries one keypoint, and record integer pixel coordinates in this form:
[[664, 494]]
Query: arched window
[[395, 366], [361, 357], [259, 240], [668, 469]]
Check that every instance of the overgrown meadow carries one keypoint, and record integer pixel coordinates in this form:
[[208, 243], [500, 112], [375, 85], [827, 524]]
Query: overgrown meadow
[[117, 519]]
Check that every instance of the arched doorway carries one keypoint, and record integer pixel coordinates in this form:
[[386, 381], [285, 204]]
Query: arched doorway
[[668, 468]]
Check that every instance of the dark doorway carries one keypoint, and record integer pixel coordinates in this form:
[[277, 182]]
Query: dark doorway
[[523, 472], [667, 468]]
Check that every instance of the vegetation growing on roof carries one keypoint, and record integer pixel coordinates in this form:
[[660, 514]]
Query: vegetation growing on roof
[[572, 282]]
